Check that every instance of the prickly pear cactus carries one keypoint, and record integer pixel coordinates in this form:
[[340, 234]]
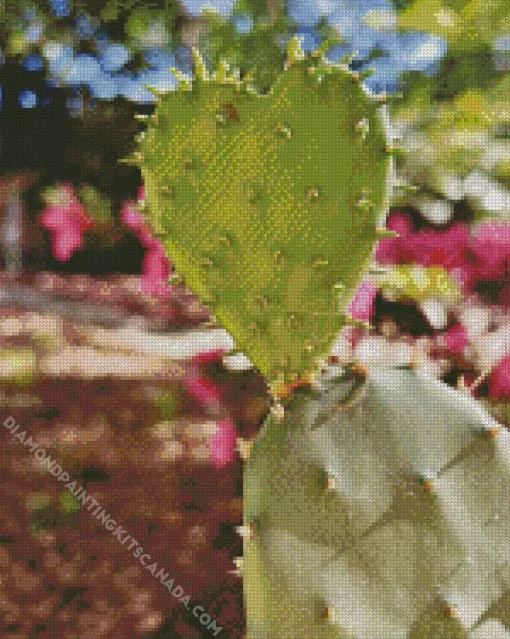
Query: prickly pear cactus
[[269, 205], [378, 507]]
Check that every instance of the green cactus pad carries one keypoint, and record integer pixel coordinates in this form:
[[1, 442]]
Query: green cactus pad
[[268, 205], [382, 518]]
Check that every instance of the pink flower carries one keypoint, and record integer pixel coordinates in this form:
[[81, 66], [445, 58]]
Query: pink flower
[[136, 222], [362, 304], [209, 357], [499, 380], [393, 250], [491, 247], [456, 339], [206, 391], [156, 267], [203, 389], [155, 272], [223, 444], [447, 248], [54, 217], [130, 214], [131, 217], [66, 242], [68, 221]]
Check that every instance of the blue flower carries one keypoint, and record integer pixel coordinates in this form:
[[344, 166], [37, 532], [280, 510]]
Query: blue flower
[[424, 50], [59, 57], [386, 76], [308, 14], [132, 89], [34, 31], [61, 8], [195, 7], [243, 24], [84, 26], [367, 26], [114, 56], [28, 99], [310, 39], [33, 62], [159, 57], [162, 79], [84, 69], [103, 87]]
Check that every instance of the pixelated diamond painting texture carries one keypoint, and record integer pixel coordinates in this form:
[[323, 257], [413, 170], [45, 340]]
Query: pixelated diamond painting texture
[[254, 319]]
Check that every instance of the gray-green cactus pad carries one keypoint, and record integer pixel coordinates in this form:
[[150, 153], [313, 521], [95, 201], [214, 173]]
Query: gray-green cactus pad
[[387, 519]]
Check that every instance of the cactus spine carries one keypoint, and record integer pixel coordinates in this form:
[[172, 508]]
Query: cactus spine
[[376, 502]]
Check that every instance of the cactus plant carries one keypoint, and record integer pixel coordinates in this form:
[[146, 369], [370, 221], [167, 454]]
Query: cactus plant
[[375, 500]]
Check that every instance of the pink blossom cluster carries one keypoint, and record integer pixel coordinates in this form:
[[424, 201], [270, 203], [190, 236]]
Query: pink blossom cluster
[[471, 255], [67, 220], [499, 380], [207, 392], [156, 268]]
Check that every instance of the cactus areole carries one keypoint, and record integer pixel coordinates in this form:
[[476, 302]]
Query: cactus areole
[[376, 501]]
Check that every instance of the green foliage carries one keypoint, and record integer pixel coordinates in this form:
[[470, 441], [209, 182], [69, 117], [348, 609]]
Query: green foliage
[[465, 23], [375, 510], [258, 54], [68, 503], [453, 136], [59, 515], [48, 514], [143, 17], [18, 366], [470, 27], [96, 204], [38, 501], [170, 403], [419, 283], [258, 8], [269, 204]]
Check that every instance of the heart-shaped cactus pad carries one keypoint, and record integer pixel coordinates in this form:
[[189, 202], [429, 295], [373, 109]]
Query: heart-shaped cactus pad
[[270, 205]]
